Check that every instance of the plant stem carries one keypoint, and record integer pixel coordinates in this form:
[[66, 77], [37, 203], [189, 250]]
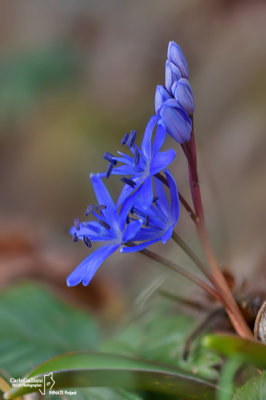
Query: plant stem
[[183, 272], [219, 281], [177, 239]]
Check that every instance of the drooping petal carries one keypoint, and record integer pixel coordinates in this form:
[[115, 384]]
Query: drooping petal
[[159, 139], [131, 230], [87, 268], [175, 206], [138, 247], [176, 120], [167, 234], [161, 161], [146, 142]]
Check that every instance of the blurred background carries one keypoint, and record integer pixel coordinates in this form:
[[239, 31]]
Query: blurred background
[[74, 77]]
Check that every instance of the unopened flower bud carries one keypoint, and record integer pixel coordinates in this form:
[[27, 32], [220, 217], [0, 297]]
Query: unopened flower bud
[[176, 121], [172, 74], [176, 56], [184, 95], [161, 95]]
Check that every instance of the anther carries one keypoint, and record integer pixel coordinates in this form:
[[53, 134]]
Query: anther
[[109, 157], [104, 224], [74, 237], [147, 220], [136, 156], [128, 181], [77, 224], [100, 207], [89, 209], [131, 139], [109, 170], [87, 241], [155, 199], [125, 139]]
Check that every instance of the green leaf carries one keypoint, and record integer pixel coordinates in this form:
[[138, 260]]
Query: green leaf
[[35, 325], [253, 389], [161, 337], [235, 347], [106, 370]]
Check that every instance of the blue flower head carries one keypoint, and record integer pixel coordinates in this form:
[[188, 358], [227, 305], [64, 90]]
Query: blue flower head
[[137, 169], [111, 227], [160, 218]]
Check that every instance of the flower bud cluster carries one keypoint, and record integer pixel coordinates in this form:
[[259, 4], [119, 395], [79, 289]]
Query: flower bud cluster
[[174, 102]]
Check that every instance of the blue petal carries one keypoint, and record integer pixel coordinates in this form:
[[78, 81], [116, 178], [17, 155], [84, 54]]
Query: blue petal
[[124, 170], [163, 202], [86, 270], [161, 161], [184, 95], [161, 95], [176, 120], [131, 230], [138, 247], [93, 230], [146, 142], [159, 138], [146, 193], [175, 206], [104, 198], [127, 191], [176, 55], [167, 234], [145, 234], [172, 74], [127, 204]]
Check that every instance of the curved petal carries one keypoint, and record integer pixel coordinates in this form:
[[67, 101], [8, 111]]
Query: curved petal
[[85, 271], [175, 206], [146, 193], [176, 120], [104, 198], [131, 230], [146, 234], [159, 139], [161, 160], [162, 202], [146, 142], [138, 247], [167, 234]]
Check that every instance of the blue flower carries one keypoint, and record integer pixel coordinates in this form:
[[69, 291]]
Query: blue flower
[[111, 226], [160, 218], [144, 163]]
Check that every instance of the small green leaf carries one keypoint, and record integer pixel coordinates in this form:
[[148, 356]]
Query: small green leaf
[[233, 346], [253, 389], [35, 325], [105, 370]]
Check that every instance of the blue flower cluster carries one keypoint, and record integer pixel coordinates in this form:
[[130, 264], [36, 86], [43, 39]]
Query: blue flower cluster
[[147, 208], [174, 102]]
